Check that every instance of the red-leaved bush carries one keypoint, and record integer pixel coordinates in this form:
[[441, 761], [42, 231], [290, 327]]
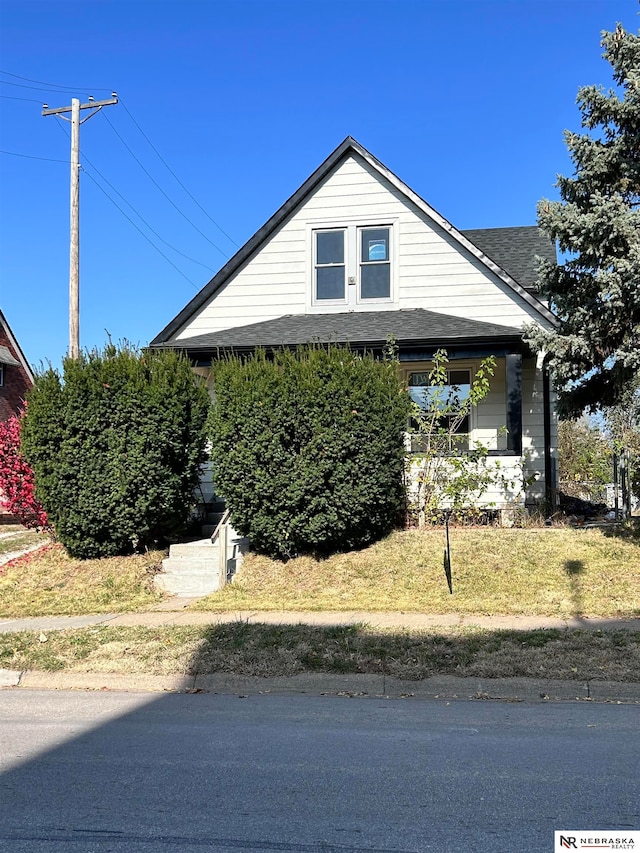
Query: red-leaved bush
[[17, 491]]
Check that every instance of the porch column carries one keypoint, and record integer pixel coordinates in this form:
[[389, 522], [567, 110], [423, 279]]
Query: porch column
[[513, 363]]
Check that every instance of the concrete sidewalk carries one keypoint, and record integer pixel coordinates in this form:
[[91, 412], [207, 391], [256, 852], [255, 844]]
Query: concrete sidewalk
[[163, 616]]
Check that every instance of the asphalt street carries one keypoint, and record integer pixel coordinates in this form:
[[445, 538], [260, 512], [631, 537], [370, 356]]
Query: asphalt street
[[106, 771]]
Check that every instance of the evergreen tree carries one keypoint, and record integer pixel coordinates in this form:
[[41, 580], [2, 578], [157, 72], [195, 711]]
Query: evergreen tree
[[308, 448], [595, 352], [116, 442]]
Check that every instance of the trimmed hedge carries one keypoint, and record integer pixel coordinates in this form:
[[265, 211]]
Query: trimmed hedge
[[308, 448], [116, 444]]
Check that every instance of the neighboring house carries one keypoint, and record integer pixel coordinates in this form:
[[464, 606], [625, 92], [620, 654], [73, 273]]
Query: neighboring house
[[16, 377], [355, 256]]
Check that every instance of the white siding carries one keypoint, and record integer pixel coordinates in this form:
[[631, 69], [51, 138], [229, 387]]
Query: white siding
[[508, 470], [431, 269], [488, 424]]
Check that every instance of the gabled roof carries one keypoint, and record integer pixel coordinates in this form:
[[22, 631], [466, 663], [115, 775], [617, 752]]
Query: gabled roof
[[369, 329], [17, 357], [346, 149]]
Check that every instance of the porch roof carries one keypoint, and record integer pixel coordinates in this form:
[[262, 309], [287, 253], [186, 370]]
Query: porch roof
[[370, 329]]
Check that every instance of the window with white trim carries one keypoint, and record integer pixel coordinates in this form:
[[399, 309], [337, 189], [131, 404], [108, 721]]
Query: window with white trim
[[352, 265], [375, 266], [330, 267]]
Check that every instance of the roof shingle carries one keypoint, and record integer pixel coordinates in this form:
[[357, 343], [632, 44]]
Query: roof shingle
[[368, 328], [515, 250]]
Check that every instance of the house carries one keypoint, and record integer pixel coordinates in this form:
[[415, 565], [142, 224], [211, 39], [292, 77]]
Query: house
[[355, 256], [16, 376]]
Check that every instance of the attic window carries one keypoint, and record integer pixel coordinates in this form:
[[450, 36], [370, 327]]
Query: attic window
[[330, 267], [352, 265], [375, 269]]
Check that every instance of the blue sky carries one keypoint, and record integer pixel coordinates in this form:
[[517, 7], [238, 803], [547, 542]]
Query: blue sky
[[465, 100]]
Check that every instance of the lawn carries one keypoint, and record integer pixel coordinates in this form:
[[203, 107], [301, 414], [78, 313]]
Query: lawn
[[558, 572], [286, 650], [14, 538], [48, 582], [554, 572]]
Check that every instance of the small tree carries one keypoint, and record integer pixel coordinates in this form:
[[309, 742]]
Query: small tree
[[116, 443], [17, 488], [595, 352], [448, 477], [584, 457], [622, 425], [308, 448]]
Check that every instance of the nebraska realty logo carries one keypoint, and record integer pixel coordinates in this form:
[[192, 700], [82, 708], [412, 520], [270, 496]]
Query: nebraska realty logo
[[602, 840]]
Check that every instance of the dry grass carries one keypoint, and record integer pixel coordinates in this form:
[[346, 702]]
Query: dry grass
[[558, 572], [271, 650], [549, 572], [546, 572], [48, 582]]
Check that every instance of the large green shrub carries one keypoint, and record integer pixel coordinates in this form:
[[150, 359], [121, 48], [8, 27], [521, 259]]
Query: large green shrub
[[308, 448], [116, 443]]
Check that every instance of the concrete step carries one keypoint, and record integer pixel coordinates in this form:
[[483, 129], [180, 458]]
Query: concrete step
[[188, 577], [192, 568], [215, 514], [189, 567], [202, 549], [189, 586]]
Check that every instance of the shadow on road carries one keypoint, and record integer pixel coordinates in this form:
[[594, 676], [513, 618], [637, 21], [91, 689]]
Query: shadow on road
[[92, 772]]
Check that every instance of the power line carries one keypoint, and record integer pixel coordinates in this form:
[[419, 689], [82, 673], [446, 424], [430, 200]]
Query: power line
[[161, 158], [32, 157], [42, 88], [11, 98], [89, 175], [142, 219], [52, 86], [139, 215], [191, 196], [156, 184]]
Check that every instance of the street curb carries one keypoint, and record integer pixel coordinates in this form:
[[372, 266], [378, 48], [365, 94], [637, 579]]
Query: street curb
[[349, 686], [10, 677]]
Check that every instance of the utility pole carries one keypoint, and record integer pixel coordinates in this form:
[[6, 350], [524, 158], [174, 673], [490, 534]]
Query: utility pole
[[74, 205]]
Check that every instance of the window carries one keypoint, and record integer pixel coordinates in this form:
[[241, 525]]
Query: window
[[375, 269], [448, 399], [329, 265], [351, 265], [1, 375]]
